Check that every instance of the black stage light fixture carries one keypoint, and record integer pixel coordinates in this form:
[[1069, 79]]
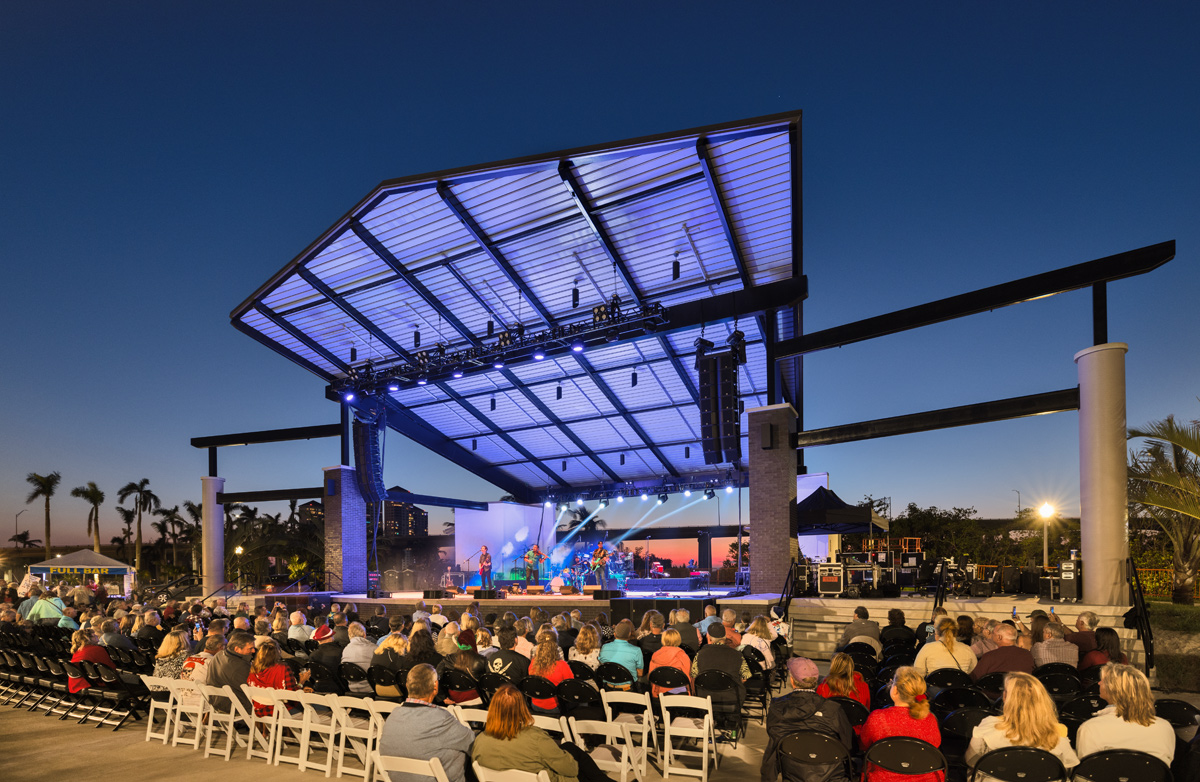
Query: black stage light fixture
[[457, 373], [520, 331], [599, 314], [491, 328], [604, 502], [702, 346], [622, 460], [575, 297], [539, 353], [633, 379], [737, 345], [662, 498], [577, 345], [613, 334], [493, 403], [558, 393], [675, 270], [422, 379], [416, 339], [474, 445], [709, 494], [353, 355]]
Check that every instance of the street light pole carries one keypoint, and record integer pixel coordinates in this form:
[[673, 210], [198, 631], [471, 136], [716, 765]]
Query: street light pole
[[1046, 511], [15, 532], [1018, 502]]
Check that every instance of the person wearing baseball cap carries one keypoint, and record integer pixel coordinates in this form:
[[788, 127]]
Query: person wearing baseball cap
[[329, 654], [803, 709]]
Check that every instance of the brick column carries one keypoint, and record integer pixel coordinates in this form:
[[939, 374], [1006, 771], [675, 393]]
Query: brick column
[[345, 531], [772, 496]]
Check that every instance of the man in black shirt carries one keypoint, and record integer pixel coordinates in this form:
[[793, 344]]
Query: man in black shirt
[[803, 709], [328, 654], [485, 568], [508, 662]]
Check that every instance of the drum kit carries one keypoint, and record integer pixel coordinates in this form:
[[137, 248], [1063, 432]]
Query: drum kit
[[575, 573]]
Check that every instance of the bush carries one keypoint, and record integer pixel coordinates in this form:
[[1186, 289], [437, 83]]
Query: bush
[[1170, 617]]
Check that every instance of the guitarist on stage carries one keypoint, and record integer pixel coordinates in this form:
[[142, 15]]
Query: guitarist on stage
[[485, 569], [533, 558], [600, 564]]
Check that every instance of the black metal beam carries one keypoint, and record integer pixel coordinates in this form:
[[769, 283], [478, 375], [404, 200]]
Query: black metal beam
[[271, 495], [606, 451], [651, 486], [725, 307], [263, 339], [1099, 313], [676, 533], [980, 413], [491, 249], [437, 502], [567, 176], [557, 423], [303, 338], [367, 324], [268, 436], [714, 190], [385, 255], [1069, 278]]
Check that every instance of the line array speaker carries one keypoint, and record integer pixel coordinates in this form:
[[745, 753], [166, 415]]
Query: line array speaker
[[368, 460], [720, 422]]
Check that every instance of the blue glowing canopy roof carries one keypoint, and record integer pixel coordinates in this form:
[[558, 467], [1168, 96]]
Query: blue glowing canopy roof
[[450, 263]]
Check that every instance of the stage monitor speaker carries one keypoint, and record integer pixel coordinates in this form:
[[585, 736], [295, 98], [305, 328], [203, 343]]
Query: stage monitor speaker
[[485, 594], [433, 594], [608, 594], [372, 593], [536, 590], [1011, 582], [590, 588], [567, 589], [981, 589], [618, 608], [889, 589]]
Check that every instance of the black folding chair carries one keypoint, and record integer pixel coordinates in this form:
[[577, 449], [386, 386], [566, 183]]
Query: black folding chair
[[1090, 675], [1079, 710], [1020, 764], [726, 698], [957, 727], [614, 676], [904, 755], [1180, 714], [855, 711], [948, 677], [670, 678], [489, 682], [581, 670], [460, 683], [958, 697], [1061, 686], [1121, 765], [883, 675], [881, 697], [758, 686], [811, 748], [539, 688], [351, 674], [380, 677], [860, 647], [1056, 668], [580, 700], [899, 658], [992, 684], [321, 679]]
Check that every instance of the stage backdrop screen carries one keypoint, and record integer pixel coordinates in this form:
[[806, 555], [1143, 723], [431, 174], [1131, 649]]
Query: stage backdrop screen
[[507, 529]]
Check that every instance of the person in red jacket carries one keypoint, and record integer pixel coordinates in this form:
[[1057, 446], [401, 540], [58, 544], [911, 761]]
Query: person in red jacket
[[909, 716], [267, 671], [85, 645], [845, 682]]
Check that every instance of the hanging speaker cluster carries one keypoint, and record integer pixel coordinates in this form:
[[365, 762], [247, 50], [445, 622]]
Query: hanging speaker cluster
[[720, 424]]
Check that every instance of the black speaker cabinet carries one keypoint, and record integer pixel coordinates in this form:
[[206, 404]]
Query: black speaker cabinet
[[1012, 581], [1072, 580], [485, 594], [433, 594], [981, 589], [535, 590], [607, 594]]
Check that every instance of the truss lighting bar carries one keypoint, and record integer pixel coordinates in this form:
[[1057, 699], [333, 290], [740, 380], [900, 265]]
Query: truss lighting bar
[[644, 490]]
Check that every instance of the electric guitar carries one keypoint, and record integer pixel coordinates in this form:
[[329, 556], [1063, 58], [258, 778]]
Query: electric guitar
[[599, 560]]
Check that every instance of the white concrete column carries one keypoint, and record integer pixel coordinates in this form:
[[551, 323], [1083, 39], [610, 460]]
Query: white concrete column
[[212, 532], [1103, 486]]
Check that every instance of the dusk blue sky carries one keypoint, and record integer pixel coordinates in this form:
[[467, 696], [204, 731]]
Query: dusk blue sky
[[159, 161]]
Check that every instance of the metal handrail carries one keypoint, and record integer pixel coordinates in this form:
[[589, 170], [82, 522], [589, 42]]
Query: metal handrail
[[785, 594], [1141, 617]]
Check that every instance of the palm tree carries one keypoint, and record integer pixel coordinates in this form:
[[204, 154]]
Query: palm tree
[[1164, 484], [22, 540], [174, 523], [44, 486], [92, 494], [127, 518], [193, 531], [577, 519], [144, 500]]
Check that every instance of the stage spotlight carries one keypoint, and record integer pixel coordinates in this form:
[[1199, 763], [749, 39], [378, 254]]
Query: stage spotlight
[[729, 490], [348, 396], [548, 503], [393, 385], [539, 353], [687, 492], [709, 494], [613, 334], [579, 501], [645, 496], [456, 374], [498, 364], [662, 498], [577, 345], [620, 498], [604, 503], [422, 380], [702, 346]]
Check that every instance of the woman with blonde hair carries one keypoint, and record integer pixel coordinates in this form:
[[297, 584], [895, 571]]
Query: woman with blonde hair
[[86, 646], [548, 663], [1029, 720], [172, 654], [447, 639], [758, 636], [587, 647], [945, 652], [483, 640], [908, 716], [1129, 722], [671, 655], [845, 682]]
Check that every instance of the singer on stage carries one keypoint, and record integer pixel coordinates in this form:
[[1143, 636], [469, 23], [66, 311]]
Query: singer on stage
[[485, 568], [533, 558], [600, 564]]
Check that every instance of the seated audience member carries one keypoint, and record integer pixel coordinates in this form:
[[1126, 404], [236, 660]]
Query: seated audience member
[[1025, 641], [670, 655], [908, 716], [1084, 635], [651, 642], [1029, 720], [720, 656], [359, 651], [262, 632], [110, 636], [946, 652], [329, 654], [620, 650], [896, 629], [1007, 657], [8, 620], [587, 647], [966, 629], [710, 616], [341, 628], [548, 664], [984, 642], [446, 639], [270, 672], [232, 665], [378, 624], [241, 622], [421, 648], [46, 608], [466, 660], [858, 629], [390, 654], [845, 682], [279, 630], [524, 643], [299, 629], [152, 628], [195, 667], [85, 646], [689, 636], [484, 643], [508, 662], [218, 627], [803, 709], [511, 741], [758, 636], [566, 634], [729, 618], [1108, 650], [927, 631], [422, 730], [395, 624], [1054, 649], [437, 618], [1129, 722], [172, 654]]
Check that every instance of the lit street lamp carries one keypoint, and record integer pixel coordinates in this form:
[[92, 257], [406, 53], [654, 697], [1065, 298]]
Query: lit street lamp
[[1046, 512]]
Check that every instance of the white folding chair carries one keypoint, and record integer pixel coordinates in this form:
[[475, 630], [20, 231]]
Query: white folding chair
[[166, 708], [617, 752], [355, 728], [264, 730], [469, 716], [319, 722], [681, 726], [379, 714], [553, 725], [484, 774], [190, 712], [289, 717], [425, 768], [225, 712], [642, 720]]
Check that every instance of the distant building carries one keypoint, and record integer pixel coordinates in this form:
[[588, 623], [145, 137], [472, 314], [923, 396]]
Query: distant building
[[403, 519], [312, 512]]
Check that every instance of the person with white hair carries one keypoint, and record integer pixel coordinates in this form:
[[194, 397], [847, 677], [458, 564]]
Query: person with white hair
[[299, 629], [1007, 657]]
